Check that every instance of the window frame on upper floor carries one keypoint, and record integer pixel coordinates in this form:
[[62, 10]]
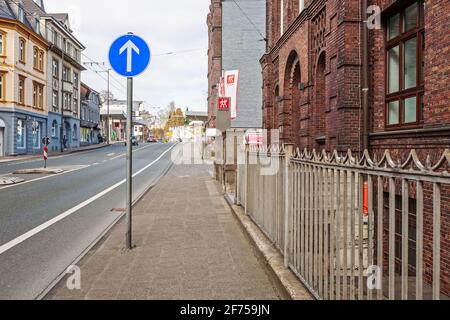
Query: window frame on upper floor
[[404, 81]]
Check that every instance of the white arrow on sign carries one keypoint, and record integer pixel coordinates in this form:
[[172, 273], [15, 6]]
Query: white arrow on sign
[[129, 47]]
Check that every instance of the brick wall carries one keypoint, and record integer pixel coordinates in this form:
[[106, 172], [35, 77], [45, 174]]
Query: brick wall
[[214, 22], [324, 43]]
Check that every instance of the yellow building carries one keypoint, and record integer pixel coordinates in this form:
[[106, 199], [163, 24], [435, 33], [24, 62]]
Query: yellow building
[[23, 79]]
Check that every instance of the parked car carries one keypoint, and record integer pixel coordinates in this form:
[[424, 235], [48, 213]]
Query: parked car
[[134, 141], [152, 139]]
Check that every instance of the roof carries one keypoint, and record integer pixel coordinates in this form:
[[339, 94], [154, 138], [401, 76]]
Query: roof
[[32, 7], [86, 91], [5, 10], [117, 114], [62, 17], [196, 114]]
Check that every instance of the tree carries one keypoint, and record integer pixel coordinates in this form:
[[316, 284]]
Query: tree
[[173, 116], [104, 96]]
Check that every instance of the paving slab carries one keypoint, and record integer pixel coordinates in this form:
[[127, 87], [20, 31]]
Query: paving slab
[[189, 246]]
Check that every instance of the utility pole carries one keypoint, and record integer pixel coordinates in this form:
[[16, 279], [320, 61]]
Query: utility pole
[[108, 134]]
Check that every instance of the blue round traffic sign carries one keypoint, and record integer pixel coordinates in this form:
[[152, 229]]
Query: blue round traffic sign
[[129, 55]]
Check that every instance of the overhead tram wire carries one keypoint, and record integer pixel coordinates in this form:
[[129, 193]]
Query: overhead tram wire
[[49, 29], [112, 77], [263, 38]]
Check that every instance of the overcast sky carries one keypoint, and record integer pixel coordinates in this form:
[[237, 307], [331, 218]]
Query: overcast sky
[[167, 25]]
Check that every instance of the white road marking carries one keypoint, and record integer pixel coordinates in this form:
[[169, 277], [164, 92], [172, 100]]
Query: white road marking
[[15, 242], [53, 157], [65, 172], [110, 154], [124, 154]]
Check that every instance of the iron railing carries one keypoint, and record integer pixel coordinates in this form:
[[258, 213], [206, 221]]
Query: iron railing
[[353, 228]]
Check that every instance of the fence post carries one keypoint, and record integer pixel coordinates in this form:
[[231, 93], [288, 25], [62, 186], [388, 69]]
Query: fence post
[[288, 152], [236, 165], [247, 150]]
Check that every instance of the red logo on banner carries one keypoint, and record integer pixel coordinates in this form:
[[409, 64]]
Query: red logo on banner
[[224, 104], [230, 79]]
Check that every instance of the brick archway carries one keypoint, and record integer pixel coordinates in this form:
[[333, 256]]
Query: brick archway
[[276, 109], [291, 101], [319, 127]]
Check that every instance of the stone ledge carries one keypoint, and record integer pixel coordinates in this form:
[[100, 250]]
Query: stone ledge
[[287, 282]]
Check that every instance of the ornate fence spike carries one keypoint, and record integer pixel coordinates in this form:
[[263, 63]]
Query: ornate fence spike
[[413, 159], [305, 153], [428, 164], [275, 148], [445, 160], [298, 153], [324, 156], [387, 161], [314, 155], [365, 160], [335, 157], [375, 159], [349, 159]]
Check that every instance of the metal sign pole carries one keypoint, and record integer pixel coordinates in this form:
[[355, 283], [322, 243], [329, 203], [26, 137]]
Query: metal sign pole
[[129, 241], [129, 56]]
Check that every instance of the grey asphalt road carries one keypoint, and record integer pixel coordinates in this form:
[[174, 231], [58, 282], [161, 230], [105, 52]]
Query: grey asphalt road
[[46, 224]]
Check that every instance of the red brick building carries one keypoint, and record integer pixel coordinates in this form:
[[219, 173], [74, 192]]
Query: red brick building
[[313, 84], [313, 73], [214, 22]]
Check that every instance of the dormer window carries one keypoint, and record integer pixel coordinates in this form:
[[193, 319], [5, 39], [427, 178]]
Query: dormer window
[[38, 26], [21, 14]]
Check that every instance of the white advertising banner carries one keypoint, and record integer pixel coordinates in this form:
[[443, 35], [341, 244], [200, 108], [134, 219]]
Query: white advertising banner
[[229, 88]]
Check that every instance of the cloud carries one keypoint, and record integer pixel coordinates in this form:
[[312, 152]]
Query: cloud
[[168, 26]]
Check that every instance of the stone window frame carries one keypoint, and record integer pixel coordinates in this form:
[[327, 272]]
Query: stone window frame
[[403, 94], [22, 50], [2, 86], [55, 67], [21, 91], [38, 95], [54, 129], [23, 134], [3, 42]]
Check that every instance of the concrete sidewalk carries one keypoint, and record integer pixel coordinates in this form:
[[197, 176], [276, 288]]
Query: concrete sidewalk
[[53, 153], [189, 246]]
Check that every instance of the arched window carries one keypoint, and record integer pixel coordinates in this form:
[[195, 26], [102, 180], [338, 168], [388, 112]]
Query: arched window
[[22, 50], [74, 132], [54, 129]]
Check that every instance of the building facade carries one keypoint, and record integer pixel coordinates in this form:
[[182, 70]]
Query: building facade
[[236, 42], [89, 116], [23, 104], [214, 22], [243, 44], [64, 69], [314, 87], [118, 116]]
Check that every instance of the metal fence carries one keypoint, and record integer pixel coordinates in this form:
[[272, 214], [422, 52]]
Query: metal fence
[[353, 228]]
